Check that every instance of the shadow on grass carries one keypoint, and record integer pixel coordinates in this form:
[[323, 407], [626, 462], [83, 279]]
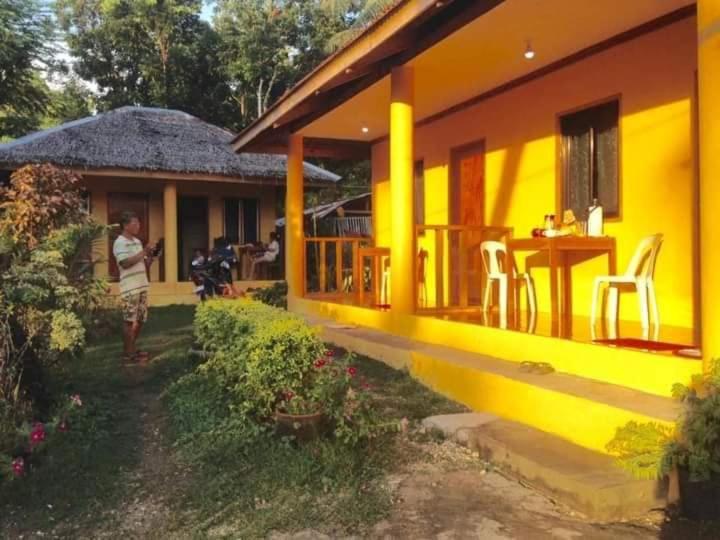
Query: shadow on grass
[[84, 473]]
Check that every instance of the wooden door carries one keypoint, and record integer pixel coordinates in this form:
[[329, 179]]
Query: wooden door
[[117, 204], [467, 197]]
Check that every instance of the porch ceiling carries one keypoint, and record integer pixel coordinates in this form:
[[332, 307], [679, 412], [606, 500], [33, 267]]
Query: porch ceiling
[[487, 53]]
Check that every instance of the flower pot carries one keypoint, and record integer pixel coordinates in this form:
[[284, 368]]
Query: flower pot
[[699, 500], [304, 427]]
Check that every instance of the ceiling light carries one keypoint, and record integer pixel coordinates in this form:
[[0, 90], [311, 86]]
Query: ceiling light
[[348, 70], [439, 4], [365, 129], [529, 51]]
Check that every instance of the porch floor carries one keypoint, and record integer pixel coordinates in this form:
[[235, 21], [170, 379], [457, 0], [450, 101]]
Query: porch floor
[[666, 339]]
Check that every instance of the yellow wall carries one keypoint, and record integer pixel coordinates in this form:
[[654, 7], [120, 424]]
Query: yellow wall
[[99, 188], [654, 76]]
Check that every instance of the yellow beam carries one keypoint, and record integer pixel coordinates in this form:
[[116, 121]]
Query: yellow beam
[[294, 234], [402, 248], [171, 236], [709, 147]]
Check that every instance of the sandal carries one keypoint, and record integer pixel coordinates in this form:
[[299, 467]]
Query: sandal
[[141, 357], [129, 360]]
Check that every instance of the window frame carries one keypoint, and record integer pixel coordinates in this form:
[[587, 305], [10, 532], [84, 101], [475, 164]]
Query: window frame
[[240, 201], [561, 152]]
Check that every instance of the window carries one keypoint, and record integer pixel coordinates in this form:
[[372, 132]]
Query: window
[[242, 220], [590, 159], [420, 192]]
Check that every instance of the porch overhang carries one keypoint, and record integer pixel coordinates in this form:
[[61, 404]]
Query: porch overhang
[[462, 51], [405, 31]]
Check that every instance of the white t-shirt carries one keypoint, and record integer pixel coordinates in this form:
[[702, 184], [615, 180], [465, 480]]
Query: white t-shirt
[[272, 251], [133, 280]]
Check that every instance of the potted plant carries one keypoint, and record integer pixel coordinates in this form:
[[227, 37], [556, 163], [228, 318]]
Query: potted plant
[[327, 398], [692, 449]]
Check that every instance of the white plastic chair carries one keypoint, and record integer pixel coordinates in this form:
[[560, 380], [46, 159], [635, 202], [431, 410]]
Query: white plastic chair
[[493, 256], [639, 274]]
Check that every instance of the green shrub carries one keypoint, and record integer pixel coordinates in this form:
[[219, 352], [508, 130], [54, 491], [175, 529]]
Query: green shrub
[[275, 295], [264, 359], [651, 450]]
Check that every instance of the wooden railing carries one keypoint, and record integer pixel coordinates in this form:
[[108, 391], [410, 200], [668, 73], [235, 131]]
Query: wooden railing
[[449, 265], [332, 264]]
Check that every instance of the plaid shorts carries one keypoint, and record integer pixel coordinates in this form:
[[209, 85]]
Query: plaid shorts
[[135, 307]]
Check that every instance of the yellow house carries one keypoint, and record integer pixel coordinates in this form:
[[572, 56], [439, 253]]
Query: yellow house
[[482, 117], [178, 173]]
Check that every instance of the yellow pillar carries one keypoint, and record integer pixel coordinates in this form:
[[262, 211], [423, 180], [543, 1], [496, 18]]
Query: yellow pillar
[[708, 15], [99, 212], [171, 236], [402, 241], [294, 206]]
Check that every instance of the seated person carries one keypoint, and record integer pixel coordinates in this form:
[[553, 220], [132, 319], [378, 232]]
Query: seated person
[[260, 255]]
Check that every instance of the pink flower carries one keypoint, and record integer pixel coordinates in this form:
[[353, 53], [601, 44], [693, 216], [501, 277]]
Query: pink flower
[[76, 400], [37, 435], [351, 371], [63, 426], [320, 362], [18, 466], [366, 386], [329, 353], [289, 395]]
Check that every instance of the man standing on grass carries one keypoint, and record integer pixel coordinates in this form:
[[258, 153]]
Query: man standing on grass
[[133, 262]]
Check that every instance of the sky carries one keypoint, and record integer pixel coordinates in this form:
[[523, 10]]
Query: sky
[[207, 10]]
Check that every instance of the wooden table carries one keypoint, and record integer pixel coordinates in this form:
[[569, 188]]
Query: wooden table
[[559, 251], [377, 254]]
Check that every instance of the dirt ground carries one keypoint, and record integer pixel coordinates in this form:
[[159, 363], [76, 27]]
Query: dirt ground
[[450, 496]]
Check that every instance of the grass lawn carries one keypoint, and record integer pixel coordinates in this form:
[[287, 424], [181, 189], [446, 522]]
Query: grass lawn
[[131, 458]]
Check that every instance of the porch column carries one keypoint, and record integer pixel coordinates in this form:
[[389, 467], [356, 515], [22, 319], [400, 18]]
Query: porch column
[[402, 272], [294, 205], [708, 16], [171, 236]]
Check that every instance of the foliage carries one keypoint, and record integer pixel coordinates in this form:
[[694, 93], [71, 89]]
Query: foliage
[[268, 45], [266, 359], [147, 52], [275, 295], [641, 449], [25, 31], [651, 450], [362, 14], [46, 285]]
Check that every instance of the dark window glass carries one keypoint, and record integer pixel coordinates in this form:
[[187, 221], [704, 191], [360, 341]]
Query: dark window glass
[[242, 220], [420, 192], [590, 159], [250, 221], [232, 220]]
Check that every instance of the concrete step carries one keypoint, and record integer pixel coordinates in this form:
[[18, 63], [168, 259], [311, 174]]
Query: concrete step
[[586, 481], [583, 411]]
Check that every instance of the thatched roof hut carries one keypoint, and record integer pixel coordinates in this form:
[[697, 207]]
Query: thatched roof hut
[[148, 139]]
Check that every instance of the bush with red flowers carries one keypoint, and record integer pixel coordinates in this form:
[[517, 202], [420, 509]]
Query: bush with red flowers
[[264, 361], [33, 439]]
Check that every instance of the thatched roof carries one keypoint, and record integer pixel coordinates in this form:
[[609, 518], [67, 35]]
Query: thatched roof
[[146, 139]]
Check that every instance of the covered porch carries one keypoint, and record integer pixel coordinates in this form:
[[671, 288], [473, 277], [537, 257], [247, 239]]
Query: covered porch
[[473, 113]]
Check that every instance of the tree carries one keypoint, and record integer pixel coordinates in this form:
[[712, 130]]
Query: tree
[[147, 52], [25, 33], [70, 102], [268, 45]]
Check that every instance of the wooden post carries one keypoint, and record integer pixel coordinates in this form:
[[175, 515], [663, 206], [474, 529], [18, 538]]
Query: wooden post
[[708, 17], [338, 265], [439, 268], [170, 226], [323, 267], [294, 205], [402, 244]]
